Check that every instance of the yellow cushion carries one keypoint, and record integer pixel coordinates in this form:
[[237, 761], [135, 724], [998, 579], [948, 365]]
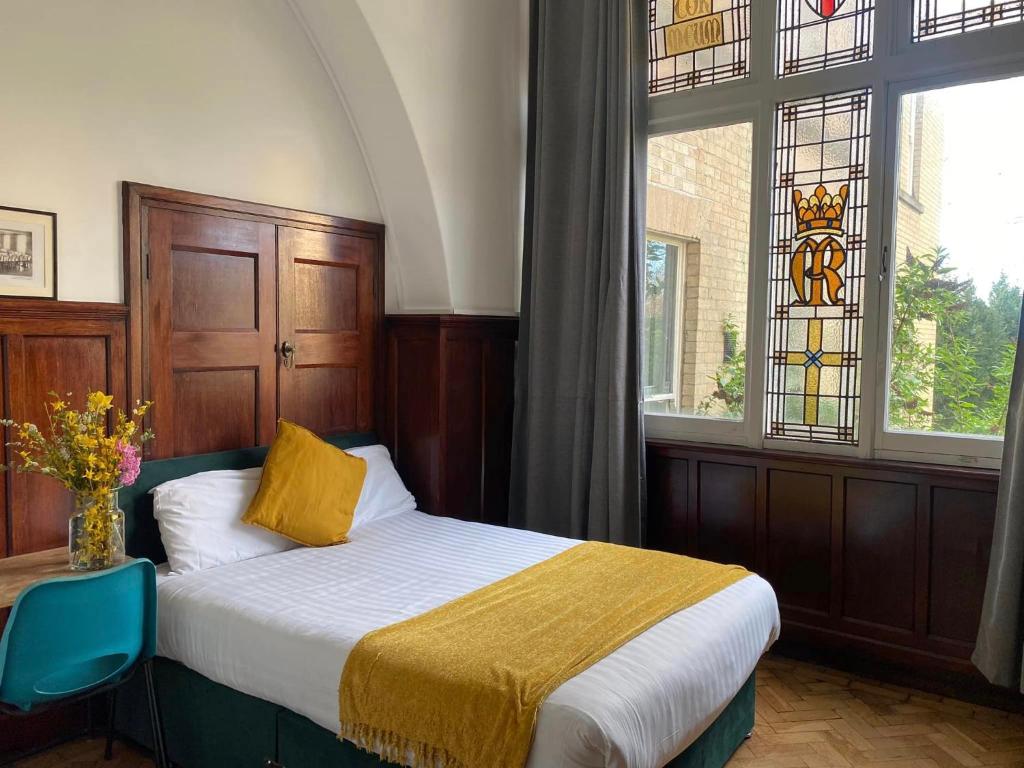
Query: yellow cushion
[[309, 488]]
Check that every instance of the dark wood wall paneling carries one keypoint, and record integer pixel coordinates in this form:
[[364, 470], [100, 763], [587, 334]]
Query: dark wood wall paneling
[[65, 347], [449, 411], [886, 560]]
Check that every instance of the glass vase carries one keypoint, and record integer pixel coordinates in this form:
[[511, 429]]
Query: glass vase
[[96, 533]]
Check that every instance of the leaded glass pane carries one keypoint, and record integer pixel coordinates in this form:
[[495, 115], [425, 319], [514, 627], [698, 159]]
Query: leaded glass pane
[[697, 42], [821, 34], [819, 209], [938, 18]]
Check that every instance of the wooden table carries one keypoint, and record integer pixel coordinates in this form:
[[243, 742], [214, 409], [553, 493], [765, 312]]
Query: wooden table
[[20, 571]]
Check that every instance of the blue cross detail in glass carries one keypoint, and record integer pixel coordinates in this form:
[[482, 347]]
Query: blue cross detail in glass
[[813, 358]]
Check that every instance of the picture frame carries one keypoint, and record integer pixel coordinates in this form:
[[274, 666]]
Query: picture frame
[[28, 253]]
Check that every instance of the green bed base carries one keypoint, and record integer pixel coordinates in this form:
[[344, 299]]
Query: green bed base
[[208, 725]]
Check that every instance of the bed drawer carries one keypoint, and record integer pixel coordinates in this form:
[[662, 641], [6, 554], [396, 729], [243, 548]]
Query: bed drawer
[[301, 743]]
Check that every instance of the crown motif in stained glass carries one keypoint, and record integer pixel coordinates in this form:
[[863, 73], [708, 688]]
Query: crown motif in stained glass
[[821, 213]]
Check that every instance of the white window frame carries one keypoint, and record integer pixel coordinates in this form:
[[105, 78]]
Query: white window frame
[[898, 66], [681, 244], [709, 428]]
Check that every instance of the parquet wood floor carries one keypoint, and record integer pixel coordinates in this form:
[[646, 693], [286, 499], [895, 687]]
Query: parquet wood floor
[[807, 717], [814, 717]]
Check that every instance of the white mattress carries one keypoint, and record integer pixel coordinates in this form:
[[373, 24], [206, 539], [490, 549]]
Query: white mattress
[[281, 626]]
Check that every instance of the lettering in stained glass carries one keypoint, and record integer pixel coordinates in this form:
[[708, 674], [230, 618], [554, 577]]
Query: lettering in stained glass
[[697, 42]]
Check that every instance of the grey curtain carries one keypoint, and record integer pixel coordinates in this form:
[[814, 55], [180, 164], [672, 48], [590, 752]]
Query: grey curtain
[[1000, 646], [578, 449]]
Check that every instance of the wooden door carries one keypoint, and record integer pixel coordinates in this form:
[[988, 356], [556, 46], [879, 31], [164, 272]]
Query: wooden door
[[210, 293], [327, 329]]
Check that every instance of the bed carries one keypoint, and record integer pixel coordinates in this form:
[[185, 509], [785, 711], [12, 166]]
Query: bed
[[251, 652]]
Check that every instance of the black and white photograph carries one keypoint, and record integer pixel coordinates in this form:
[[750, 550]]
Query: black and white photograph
[[28, 253]]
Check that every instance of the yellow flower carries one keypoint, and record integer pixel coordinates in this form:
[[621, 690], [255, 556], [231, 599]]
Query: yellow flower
[[99, 402]]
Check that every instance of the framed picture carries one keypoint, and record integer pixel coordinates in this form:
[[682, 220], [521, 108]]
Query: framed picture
[[28, 253]]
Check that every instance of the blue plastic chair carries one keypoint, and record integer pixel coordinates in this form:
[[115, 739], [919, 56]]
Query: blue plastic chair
[[73, 637]]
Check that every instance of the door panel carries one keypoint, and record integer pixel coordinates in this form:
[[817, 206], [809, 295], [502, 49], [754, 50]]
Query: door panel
[[328, 292], [200, 281], [328, 314], [211, 300], [324, 399], [202, 397]]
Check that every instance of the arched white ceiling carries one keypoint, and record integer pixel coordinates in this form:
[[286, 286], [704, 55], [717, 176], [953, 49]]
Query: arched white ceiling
[[436, 93], [416, 269]]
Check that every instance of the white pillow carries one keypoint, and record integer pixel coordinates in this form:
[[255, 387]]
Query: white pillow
[[200, 519], [200, 516], [384, 494]]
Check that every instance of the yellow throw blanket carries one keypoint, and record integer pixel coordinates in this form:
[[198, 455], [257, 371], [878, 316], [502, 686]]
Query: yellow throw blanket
[[460, 686]]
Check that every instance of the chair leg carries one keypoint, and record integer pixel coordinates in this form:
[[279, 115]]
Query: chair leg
[[159, 751], [108, 751]]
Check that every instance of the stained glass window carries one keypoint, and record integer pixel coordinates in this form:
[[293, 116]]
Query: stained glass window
[[938, 18], [816, 281], [821, 34], [697, 42]]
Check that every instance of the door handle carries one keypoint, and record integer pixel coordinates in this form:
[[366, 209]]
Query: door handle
[[288, 354]]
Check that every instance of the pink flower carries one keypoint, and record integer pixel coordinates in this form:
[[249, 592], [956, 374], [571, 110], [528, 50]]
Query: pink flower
[[130, 465]]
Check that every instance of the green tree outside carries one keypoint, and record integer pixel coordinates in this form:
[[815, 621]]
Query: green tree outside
[[961, 383]]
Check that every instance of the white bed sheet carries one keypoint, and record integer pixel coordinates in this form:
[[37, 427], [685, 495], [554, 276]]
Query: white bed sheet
[[281, 626]]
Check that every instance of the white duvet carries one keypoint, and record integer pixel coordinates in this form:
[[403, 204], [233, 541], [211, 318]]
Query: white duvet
[[280, 627]]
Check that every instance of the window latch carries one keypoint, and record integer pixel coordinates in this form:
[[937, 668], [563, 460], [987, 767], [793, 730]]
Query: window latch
[[883, 272]]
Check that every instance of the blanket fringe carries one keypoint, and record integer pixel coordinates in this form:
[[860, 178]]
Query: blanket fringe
[[393, 748]]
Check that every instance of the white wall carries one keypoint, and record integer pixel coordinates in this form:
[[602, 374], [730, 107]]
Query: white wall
[[437, 92], [402, 111], [461, 69], [225, 97]]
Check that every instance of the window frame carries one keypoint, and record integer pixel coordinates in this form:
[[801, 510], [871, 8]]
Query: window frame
[[709, 428], [933, 447], [681, 244], [898, 66]]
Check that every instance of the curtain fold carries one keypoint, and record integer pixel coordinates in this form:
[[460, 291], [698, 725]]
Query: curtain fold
[[1000, 648], [578, 449]]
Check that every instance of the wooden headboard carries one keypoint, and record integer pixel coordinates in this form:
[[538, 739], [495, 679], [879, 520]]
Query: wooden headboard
[[242, 313]]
